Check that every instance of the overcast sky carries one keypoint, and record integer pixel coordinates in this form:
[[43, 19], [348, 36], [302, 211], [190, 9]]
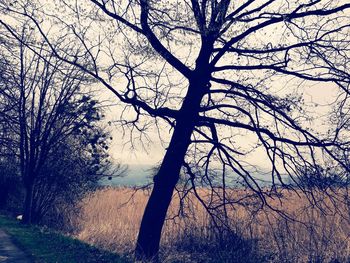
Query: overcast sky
[[320, 94]]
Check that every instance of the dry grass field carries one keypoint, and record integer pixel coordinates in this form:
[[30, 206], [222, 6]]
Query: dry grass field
[[110, 218]]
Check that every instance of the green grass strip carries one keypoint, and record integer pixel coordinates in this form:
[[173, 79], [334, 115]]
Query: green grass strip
[[44, 245]]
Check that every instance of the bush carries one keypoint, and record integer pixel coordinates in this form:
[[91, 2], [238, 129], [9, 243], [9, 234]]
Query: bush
[[321, 178], [214, 244], [11, 187], [71, 172]]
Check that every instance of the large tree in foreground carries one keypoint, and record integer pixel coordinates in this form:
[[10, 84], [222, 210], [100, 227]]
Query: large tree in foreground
[[227, 77]]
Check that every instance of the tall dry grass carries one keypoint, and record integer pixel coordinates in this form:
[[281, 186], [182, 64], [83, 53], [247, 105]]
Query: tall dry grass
[[110, 218]]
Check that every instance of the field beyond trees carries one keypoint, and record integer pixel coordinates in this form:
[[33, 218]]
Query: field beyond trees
[[110, 219]]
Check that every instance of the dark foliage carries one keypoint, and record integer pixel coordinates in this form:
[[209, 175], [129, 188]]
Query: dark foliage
[[321, 178]]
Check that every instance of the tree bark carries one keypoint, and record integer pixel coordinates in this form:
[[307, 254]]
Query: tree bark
[[27, 214], [147, 245]]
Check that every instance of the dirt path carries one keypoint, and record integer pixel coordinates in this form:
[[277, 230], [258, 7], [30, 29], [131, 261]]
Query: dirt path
[[9, 252]]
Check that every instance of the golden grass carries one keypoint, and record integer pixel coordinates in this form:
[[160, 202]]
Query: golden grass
[[110, 219]]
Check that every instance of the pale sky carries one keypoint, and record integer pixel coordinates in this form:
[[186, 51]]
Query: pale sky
[[152, 153]]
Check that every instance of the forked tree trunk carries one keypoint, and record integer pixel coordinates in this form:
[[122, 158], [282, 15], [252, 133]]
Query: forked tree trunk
[[165, 181]]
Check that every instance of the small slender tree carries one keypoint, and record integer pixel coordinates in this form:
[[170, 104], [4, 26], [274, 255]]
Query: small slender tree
[[49, 108]]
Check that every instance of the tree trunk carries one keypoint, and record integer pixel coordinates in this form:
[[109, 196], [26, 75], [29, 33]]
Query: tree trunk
[[165, 181], [27, 214]]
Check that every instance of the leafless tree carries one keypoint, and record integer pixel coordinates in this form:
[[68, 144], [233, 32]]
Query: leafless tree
[[49, 112], [6, 104], [218, 74]]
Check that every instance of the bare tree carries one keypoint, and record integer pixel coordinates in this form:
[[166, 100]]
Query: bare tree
[[6, 102], [49, 109], [213, 72]]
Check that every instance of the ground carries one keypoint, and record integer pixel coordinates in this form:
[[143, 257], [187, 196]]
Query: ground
[[43, 245], [9, 252]]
